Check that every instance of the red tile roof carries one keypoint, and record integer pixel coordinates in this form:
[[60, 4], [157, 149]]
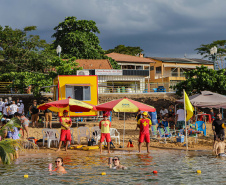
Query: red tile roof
[[94, 63], [128, 58]]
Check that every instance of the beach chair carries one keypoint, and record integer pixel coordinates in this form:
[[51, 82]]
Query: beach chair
[[50, 135], [95, 133], [83, 132], [199, 126], [169, 134], [115, 134], [162, 134], [154, 132]]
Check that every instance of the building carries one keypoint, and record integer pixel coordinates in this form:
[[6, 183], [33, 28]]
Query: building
[[84, 88], [171, 70]]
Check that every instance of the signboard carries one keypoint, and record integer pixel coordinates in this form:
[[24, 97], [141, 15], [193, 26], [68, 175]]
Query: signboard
[[108, 72]]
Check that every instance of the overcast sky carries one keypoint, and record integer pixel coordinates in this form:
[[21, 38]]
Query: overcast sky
[[162, 28]]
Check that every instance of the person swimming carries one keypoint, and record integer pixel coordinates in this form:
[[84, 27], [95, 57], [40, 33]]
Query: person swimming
[[59, 166], [116, 163]]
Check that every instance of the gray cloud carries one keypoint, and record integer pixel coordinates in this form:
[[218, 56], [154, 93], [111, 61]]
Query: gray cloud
[[160, 27]]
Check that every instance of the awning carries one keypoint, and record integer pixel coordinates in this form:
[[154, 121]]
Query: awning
[[78, 84], [185, 66]]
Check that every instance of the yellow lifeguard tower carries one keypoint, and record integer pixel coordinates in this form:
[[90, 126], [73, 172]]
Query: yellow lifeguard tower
[[84, 88]]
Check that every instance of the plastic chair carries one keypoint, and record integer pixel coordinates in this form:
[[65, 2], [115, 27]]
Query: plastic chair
[[50, 135], [72, 137], [199, 126], [169, 133], [115, 134], [95, 133], [83, 132]]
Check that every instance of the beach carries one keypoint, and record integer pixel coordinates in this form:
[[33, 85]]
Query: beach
[[203, 142]]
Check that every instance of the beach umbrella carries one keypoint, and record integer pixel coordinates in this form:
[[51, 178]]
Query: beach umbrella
[[68, 104], [125, 105]]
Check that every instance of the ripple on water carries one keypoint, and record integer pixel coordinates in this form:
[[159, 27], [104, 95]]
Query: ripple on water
[[174, 167]]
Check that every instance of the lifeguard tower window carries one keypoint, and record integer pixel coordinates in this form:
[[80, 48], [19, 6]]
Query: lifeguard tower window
[[82, 93]]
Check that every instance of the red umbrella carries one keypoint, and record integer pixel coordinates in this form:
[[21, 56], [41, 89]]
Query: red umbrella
[[125, 105], [67, 104]]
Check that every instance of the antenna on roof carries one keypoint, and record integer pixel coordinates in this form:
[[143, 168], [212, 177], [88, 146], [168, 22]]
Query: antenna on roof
[[185, 55]]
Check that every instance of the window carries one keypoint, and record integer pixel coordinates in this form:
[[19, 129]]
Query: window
[[139, 67], [158, 70], [82, 93]]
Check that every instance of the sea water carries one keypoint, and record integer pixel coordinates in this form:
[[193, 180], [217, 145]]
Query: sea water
[[173, 166]]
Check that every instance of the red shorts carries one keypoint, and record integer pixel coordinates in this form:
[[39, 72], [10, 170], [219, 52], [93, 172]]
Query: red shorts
[[65, 135], [105, 135], [144, 136]]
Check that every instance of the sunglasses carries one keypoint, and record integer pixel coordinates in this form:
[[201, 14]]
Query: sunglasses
[[57, 161], [114, 159]]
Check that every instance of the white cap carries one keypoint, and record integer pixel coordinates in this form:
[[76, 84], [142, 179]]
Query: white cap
[[21, 101]]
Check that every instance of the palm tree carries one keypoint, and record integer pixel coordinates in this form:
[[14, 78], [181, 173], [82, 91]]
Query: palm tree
[[8, 146]]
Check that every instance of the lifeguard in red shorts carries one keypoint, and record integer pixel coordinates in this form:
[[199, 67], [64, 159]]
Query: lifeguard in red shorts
[[145, 124], [104, 126], [65, 135]]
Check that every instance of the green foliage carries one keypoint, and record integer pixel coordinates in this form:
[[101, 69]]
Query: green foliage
[[128, 50], [201, 79], [78, 39], [7, 147], [113, 63]]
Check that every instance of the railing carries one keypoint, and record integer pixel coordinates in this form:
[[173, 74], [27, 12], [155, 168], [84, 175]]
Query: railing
[[171, 74], [133, 87]]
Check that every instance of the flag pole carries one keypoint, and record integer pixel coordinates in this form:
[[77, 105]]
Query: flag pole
[[124, 128], [186, 134]]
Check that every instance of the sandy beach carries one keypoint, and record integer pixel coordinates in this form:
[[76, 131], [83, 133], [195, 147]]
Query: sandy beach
[[203, 142]]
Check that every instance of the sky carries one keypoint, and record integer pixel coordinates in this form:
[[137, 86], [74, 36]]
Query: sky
[[162, 28]]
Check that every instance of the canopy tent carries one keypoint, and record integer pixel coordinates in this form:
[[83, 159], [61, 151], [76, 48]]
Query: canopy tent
[[125, 105], [207, 99]]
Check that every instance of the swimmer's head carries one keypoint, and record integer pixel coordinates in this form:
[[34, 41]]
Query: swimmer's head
[[59, 161], [116, 160]]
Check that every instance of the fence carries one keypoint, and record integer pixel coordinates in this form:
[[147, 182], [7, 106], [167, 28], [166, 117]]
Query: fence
[[133, 87], [5, 87]]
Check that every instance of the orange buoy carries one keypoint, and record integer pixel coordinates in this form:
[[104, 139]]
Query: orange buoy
[[155, 172]]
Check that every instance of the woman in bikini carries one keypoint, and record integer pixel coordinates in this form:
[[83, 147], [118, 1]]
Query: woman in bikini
[[59, 166]]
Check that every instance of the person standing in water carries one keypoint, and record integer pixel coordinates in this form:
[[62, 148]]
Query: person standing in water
[[59, 166], [219, 147], [104, 126], [65, 135], [145, 124]]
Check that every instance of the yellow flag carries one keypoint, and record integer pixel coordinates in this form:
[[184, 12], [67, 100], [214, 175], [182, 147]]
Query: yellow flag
[[188, 106]]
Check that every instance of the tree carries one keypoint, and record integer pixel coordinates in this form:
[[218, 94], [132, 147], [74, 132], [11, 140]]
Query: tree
[[22, 51], [126, 50], [204, 50], [78, 39], [201, 79]]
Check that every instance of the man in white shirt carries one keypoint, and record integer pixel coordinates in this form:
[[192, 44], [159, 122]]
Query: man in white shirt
[[163, 111], [180, 120], [20, 107], [13, 109]]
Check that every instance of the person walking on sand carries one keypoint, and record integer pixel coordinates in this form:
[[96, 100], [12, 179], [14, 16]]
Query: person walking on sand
[[65, 135], [104, 126], [34, 114], [218, 126], [25, 123], [48, 117], [145, 124]]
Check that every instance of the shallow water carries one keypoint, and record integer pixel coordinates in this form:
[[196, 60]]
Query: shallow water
[[173, 166]]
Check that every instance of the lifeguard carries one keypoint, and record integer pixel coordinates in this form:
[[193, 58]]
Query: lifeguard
[[65, 135], [145, 124], [104, 126]]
